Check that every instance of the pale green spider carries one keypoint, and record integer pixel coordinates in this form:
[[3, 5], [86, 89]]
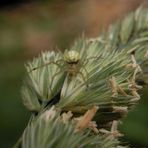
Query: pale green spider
[[72, 65]]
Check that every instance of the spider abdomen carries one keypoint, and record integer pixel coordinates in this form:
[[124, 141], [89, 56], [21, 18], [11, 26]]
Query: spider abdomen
[[73, 69]]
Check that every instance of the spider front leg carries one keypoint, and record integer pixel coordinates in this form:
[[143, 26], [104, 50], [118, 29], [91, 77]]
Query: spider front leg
[[84, 78], [91, 58], [56, 63], [52, 80], [46, 64]]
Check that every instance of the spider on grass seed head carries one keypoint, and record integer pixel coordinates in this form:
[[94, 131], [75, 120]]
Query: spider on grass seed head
[[72, 65]]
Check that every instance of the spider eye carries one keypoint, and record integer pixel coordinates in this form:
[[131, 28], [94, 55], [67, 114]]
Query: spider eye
[[71, 56]]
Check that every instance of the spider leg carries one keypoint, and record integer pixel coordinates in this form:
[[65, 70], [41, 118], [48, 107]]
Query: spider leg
[[84, 79], [87, 74], [52, 80], [51, 62], [91, 58]]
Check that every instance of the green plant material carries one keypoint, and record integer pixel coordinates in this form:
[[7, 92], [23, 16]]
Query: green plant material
[[49, 131], [74, 93], [98, 72], [130, 34]]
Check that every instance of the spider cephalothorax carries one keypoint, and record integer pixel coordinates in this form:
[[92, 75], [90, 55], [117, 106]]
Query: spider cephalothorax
[[71, 57]]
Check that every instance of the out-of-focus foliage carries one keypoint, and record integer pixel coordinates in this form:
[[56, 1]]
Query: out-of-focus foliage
[[135, 125]]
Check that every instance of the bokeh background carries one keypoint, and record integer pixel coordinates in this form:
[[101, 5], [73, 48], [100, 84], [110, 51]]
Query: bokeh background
[[29, 27]]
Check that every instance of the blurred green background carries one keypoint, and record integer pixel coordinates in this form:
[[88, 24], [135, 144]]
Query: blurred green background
[[29, 27]]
